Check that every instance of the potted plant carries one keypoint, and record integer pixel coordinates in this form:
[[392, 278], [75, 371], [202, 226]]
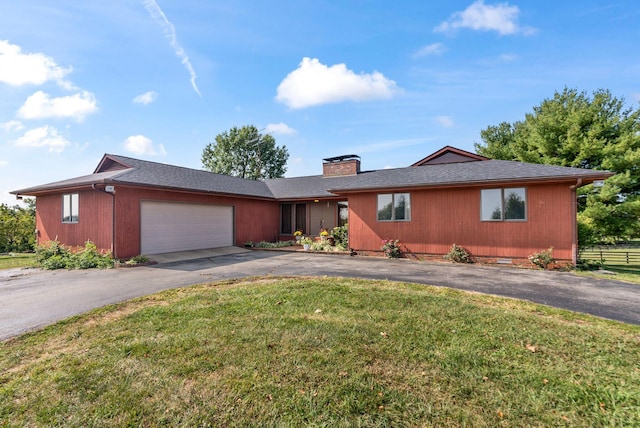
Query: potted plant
[[298, 235], [323, 234], [306, 243]]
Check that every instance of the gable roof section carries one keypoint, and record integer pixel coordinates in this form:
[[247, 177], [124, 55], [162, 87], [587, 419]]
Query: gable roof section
[[450, 154], [466, 173], [116, 170]]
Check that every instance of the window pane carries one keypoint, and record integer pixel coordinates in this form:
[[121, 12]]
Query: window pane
[[402, 206], [343, 213], [285, 219], [74, 207], [66, 208], [491, 201], [515, 204], [301, 217], [385, 203]]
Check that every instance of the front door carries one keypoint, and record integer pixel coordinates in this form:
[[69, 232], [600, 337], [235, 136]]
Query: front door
[[322, 215]]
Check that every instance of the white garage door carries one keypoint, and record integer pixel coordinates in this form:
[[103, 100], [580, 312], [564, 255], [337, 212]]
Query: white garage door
[[168, 227]]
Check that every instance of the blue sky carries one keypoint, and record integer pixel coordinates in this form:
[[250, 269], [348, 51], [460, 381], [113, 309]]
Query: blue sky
[[389, 81]]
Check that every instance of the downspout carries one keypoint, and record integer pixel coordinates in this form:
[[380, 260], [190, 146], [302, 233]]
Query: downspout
[[574, 216], [113, 217]]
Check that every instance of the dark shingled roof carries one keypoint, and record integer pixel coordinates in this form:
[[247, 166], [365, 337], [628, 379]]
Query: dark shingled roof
[[152, 174], [145, 173], [314, 186], [489, 171]]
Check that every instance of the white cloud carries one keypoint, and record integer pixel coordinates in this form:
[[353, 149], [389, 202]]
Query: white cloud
[[146, 98], [314, 83], [3, 163], [279, 128], [170, 33], [41, 106], [445, 121], [45, 136], [482, 17], [18, 68], [141, 145], [432, 49], [12, 125]]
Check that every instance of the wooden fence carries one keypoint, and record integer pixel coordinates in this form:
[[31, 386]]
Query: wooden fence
[[613, 257]]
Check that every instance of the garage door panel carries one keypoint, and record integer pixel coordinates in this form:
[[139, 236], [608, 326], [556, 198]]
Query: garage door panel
[[169, 227]]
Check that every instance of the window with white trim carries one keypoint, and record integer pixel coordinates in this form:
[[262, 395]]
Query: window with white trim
[[70, 208], [394, 207], [503, 204]]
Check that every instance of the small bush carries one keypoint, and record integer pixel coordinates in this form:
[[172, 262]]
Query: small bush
[[46, 252], [57, 256], [341, 235], [137, 260], [542, 259], [458, 254], [391, 248], [587, 264], [279, 244]]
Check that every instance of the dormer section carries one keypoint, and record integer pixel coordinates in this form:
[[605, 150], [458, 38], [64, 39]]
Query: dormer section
[[449, 154], [341, 165], [110, 164]]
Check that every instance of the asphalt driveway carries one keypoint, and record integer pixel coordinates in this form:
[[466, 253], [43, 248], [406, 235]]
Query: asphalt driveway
[[33, 298]]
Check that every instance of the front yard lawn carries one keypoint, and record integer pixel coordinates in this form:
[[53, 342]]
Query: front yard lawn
[[323, 352], [16, 260]]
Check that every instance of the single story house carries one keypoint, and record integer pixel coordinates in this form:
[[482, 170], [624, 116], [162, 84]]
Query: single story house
[[495, 209]]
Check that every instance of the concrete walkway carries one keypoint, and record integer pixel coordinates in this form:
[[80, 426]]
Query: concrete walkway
[[34, 298]]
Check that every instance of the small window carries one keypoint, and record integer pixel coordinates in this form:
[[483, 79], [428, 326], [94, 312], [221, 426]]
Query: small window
[[286, 211], [503, 204], [394, 207], [70, 208], [343, 213]]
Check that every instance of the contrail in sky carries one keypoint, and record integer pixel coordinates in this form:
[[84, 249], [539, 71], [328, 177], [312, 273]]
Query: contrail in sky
[[170, 32]]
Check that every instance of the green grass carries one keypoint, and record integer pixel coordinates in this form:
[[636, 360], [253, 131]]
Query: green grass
[[621, 274], [323, 352], [16, 260]]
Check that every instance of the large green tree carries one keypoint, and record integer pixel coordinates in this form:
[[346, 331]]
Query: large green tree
[[245, 152], [17, 227], [578, 130]]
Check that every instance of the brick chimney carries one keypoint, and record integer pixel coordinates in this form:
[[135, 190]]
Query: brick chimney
[[341, 165]]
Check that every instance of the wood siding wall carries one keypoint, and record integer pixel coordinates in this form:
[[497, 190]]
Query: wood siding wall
[[254, 220], [94, 220], [442, 217]]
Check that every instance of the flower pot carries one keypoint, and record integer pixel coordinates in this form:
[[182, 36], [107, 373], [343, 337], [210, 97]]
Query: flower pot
[[306, 246]]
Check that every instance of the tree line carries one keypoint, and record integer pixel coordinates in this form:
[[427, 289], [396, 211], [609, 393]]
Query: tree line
[[17, 227]]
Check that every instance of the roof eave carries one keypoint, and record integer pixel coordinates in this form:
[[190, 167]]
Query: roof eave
[[40, 190], [583, 180]]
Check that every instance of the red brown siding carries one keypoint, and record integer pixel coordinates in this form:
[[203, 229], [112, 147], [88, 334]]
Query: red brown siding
[[94, 220], [254, 220], [442, 217]]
